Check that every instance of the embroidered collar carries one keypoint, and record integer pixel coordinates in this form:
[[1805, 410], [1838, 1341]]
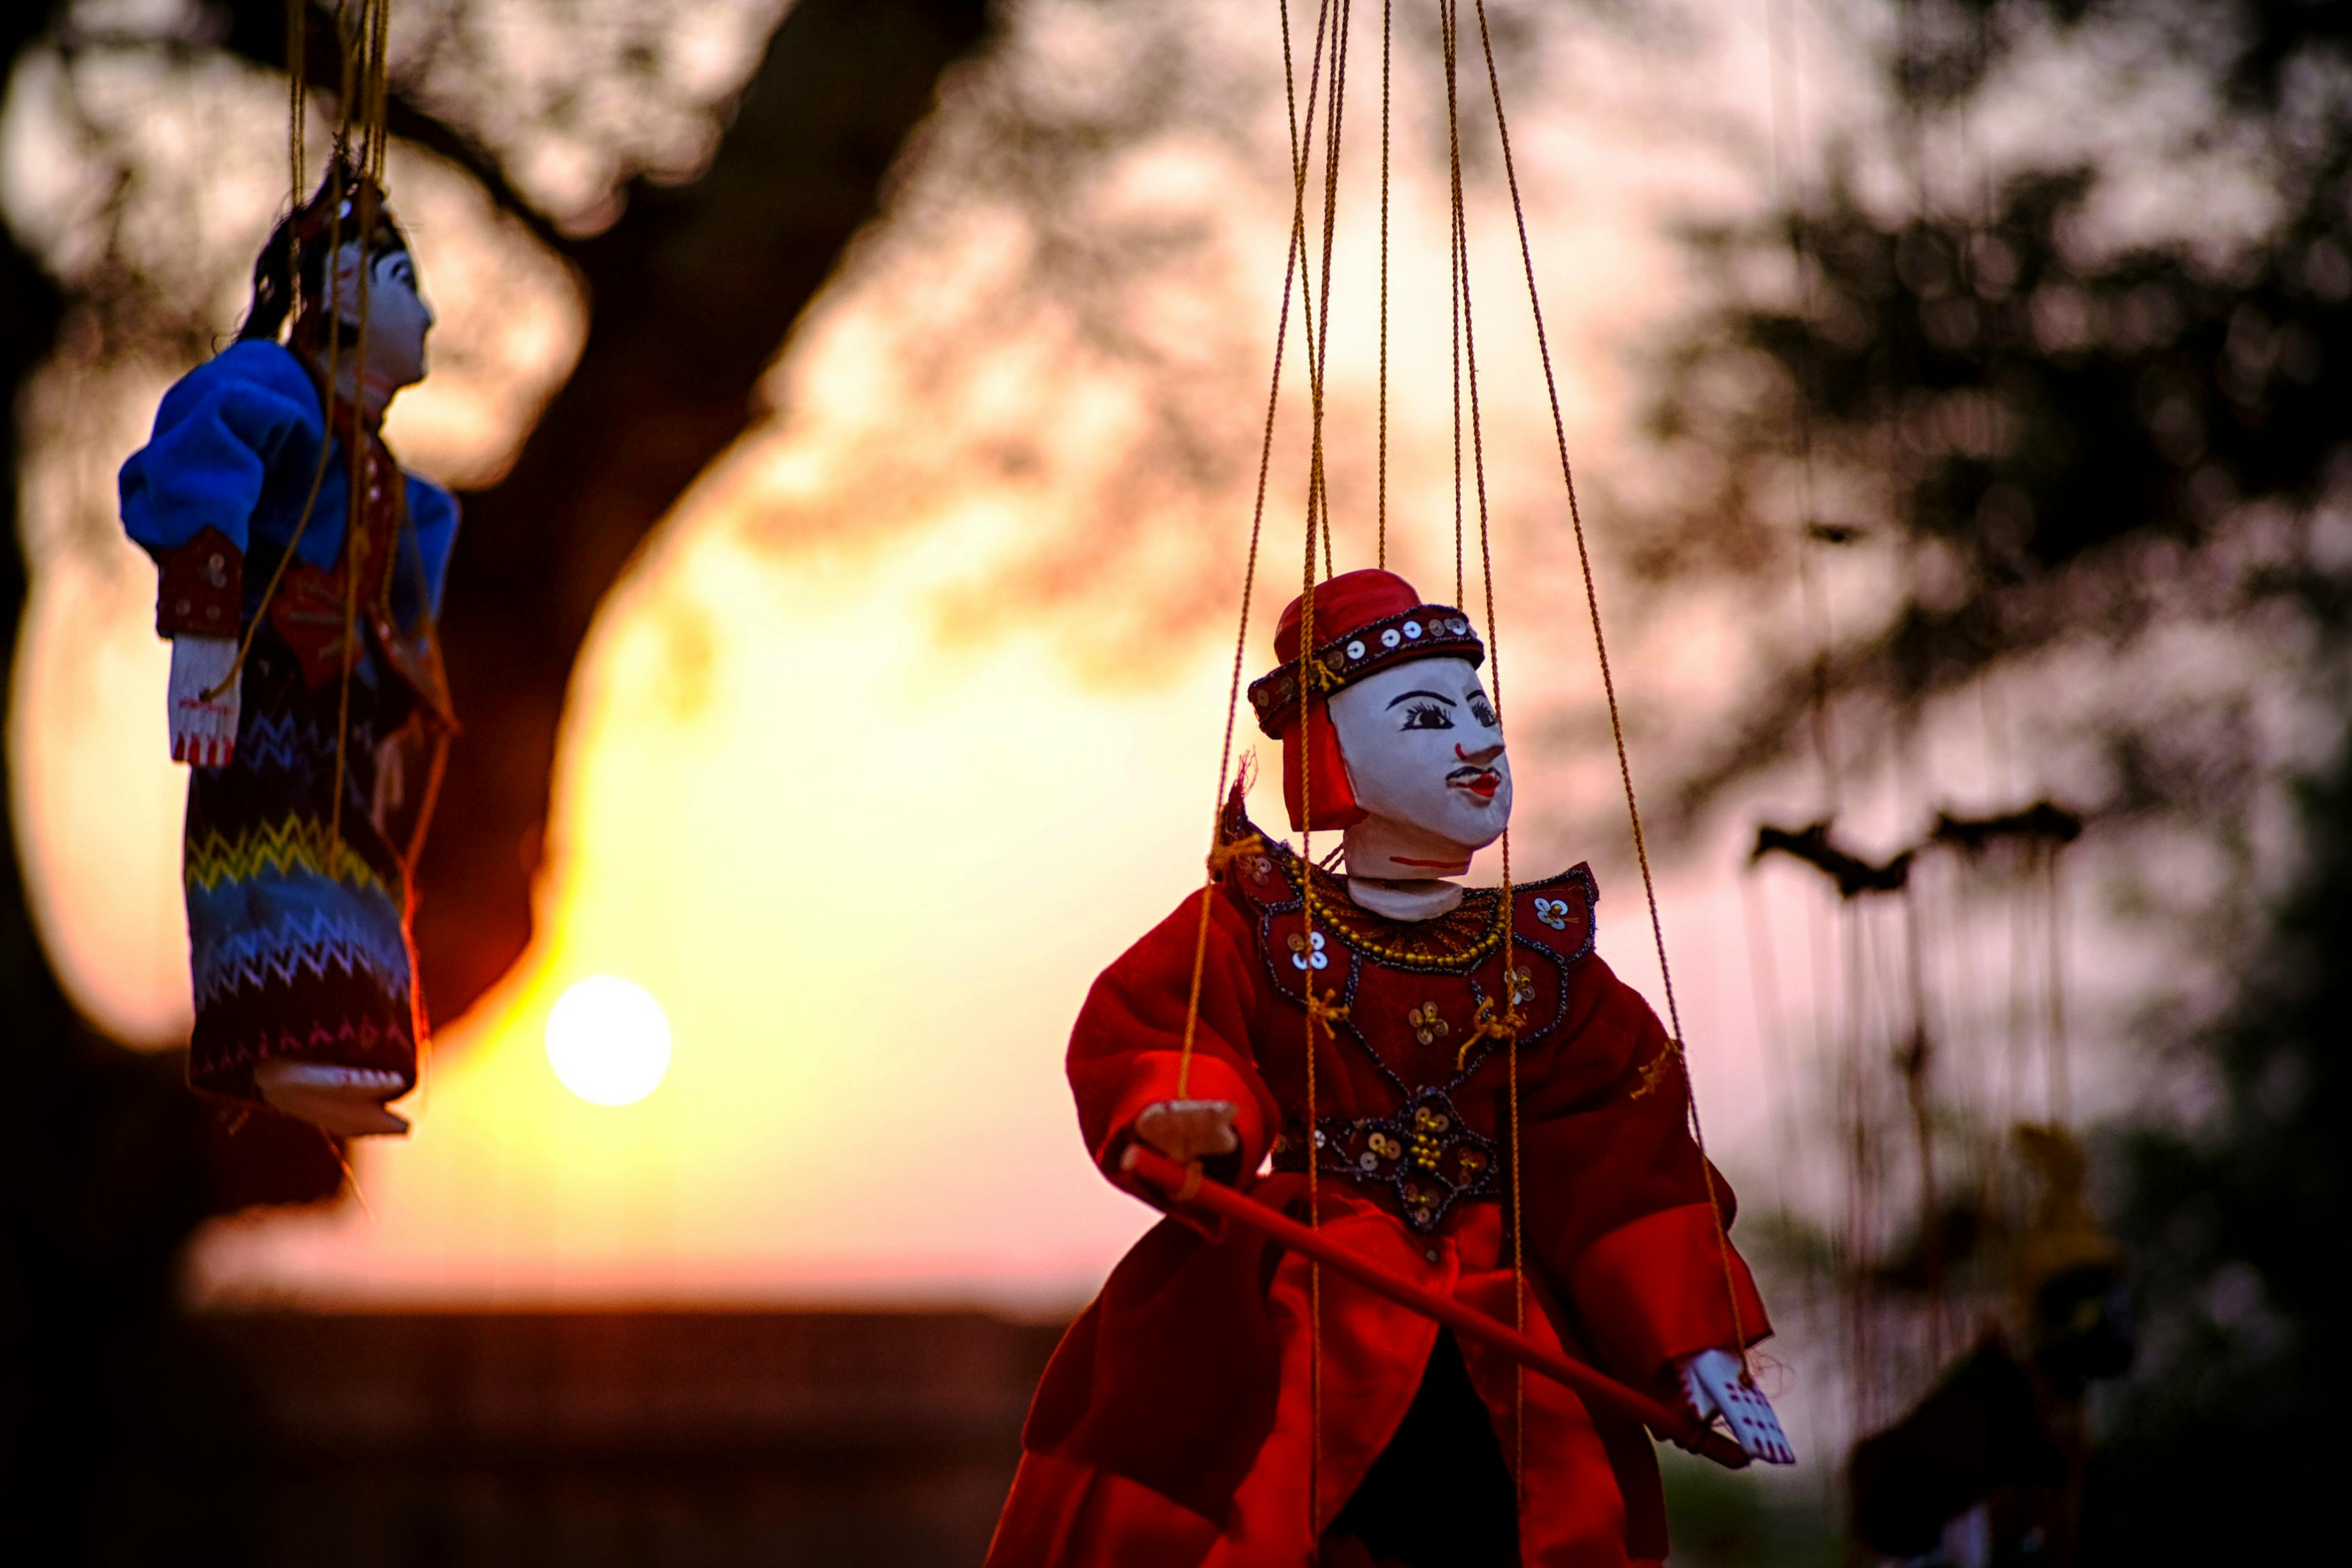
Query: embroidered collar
[[1454, 942]]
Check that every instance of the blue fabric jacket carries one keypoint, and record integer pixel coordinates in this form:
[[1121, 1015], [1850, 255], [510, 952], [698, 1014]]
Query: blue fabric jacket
[[236, 447]]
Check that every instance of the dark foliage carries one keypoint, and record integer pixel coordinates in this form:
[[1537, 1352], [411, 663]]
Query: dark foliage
[[2057, 437], [2239, 1242], [2068, 436]]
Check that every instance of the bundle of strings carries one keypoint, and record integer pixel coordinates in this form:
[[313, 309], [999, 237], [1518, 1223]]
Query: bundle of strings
[[295, 275], [1330, 49]]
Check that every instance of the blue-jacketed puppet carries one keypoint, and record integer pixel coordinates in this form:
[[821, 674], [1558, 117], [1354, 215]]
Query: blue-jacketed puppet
[[300, 577]]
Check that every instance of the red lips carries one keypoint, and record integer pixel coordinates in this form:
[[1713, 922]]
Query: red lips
[[1480, 781]]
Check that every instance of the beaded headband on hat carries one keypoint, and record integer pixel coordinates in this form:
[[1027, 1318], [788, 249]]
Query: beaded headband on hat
[[1424, 631]]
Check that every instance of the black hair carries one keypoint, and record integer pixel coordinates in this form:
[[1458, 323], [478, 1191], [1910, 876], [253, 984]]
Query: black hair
[[293, 266]]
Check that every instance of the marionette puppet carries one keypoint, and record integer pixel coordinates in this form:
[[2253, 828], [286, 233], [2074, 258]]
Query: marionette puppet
[[1987, 1469], [301, 575], [1456, 1048]]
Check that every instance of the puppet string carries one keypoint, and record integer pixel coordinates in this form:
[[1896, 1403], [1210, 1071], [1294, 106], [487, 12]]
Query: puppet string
[[297, 50], [1380, 557], [1453, 264], [1307, 707], [355, 522], [326, 434], [1508, 1026], [341, 191], [1294, 251], [1315, 293], [1608, 682], [361, 444]]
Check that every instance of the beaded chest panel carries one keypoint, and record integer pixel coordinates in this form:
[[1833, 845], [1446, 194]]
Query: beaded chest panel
[[1427, 1154], [1412, 1022]]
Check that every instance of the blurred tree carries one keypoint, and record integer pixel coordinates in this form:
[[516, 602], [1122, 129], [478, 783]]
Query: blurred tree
[[2042, 427], [106, 1165], [2230, 1219], [714, 272], [2055, 391]]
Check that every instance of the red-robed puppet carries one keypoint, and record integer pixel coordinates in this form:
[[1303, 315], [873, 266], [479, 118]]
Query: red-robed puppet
[[1179, 1422]]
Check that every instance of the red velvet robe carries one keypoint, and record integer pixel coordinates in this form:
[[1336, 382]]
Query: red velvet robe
[[1175, 1423]]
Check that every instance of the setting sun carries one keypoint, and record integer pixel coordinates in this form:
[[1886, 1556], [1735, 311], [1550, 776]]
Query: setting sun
[[608, 1040]]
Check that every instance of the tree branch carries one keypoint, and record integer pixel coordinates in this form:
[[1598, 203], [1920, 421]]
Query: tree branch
[[258, 32], [691, 291]]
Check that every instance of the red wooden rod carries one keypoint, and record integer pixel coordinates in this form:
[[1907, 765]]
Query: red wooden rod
[[1182, 1184]]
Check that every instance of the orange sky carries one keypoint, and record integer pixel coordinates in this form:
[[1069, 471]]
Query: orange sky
[[870, 867]]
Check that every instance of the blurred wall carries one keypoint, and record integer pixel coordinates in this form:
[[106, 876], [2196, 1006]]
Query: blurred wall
[[790, 1441]]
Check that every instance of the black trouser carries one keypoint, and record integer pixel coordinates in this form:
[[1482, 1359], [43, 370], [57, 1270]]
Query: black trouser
[[1440, 1495]]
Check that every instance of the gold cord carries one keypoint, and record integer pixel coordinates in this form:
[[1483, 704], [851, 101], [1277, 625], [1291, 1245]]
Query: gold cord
[[298, 96], [1325, 1011], [368, 93], [1292, 253], [318, 474], [1508, 1025], [1455, 264], [358, 447], [1319, 292], [1307, 752], [1381, 556], [1241, 848], [2060, 1084], [1608, 683]]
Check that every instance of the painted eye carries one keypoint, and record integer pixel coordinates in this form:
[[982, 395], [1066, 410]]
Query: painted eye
[[1482, 710], [1427, 716]]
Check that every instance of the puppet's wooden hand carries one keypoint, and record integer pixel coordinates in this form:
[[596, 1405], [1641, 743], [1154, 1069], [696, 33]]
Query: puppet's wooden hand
[[1189, 1130], [202, 726], [1715, 1383]]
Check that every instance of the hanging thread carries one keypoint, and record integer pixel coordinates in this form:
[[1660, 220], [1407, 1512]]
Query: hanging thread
[[1608, 682]]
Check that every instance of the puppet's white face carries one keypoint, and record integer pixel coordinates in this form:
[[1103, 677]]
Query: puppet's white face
[[1424, 752], [397, 321]]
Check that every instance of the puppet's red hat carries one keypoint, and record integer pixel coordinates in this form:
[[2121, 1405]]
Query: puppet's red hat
[[1364, 621]]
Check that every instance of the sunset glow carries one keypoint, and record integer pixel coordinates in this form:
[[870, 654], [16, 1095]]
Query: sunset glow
[[608, 1040], [861, 784]]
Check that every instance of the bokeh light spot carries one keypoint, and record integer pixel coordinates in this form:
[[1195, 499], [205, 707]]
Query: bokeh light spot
[[608, 1040]]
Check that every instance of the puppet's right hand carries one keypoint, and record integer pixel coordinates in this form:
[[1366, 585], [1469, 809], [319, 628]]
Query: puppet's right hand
[[203, 728], [1189, 1130], [1716, 1383]]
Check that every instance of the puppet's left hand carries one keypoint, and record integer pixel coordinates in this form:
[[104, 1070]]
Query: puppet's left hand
[[201, 706], [1715, 1383]]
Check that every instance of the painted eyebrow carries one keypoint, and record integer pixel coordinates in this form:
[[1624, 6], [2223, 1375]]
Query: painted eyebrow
[[1437, 696]]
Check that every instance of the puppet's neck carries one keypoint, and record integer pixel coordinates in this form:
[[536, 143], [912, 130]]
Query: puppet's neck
[[1391, 851], [1416, 899], [351, 409], [1397, 870]]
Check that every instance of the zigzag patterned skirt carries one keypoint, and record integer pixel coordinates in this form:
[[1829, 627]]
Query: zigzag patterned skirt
[[297, 933]]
